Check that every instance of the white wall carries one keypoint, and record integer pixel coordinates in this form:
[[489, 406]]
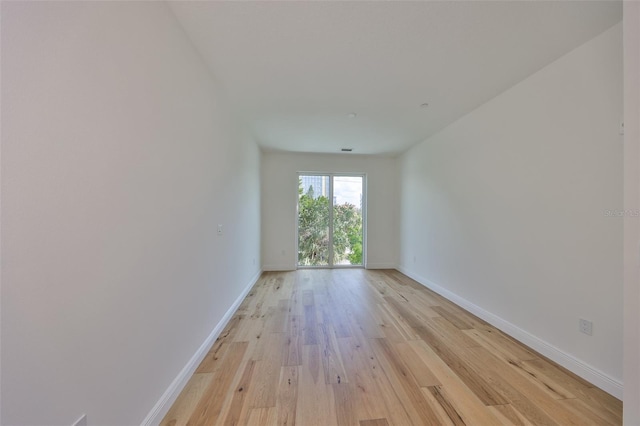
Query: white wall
[[279, 198], [505, 209], [118, 161], [631, 26]]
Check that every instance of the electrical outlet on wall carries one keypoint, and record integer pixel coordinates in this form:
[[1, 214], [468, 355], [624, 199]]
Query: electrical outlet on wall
[[586, 327]]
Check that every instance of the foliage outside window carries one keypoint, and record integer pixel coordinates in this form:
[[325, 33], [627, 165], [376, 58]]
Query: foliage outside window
[[313, 231]]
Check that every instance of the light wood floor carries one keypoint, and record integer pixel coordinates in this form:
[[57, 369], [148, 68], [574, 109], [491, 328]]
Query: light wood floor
[[373, 348]]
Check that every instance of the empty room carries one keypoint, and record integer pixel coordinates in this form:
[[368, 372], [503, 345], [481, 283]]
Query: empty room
[[319, 213]]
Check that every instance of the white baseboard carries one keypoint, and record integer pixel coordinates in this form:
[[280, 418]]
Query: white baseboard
[[382, 266], [571, 363], [283, 267], [167, 399]]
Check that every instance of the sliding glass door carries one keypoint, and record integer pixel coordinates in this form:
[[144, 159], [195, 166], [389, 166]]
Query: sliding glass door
[[313, 220], [331, 218], [347, 220]]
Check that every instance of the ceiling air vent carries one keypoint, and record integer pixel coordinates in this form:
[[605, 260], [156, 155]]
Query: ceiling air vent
[[346, 149]]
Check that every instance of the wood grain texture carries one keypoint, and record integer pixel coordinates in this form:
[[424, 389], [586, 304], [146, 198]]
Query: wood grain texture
[[374, 348]]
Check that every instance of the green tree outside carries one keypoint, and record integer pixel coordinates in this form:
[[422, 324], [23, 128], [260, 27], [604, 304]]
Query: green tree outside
[[313, 231]]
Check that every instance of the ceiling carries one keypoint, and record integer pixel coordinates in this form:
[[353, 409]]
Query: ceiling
[[293, 71]]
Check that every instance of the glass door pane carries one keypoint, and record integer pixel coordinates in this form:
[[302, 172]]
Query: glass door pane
[[314, 194], [347, 220]]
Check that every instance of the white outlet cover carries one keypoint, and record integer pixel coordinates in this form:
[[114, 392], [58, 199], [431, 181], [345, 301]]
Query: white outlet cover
[[586, 327]]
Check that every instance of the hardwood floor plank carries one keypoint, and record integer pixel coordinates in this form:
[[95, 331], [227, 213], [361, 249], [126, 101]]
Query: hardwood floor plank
[[180, 412], [374, 422], [334, 310], [378, 399], [287, 393], [292, 341], [554, 389], [456, 336], [457, 320], [316, 403], [310, 318], [395, 320], [420, 371], [210, 405], [535, 404], [509, 415], [211, 360], [403, 383], [276, 321], [390, 331], [510, 358], [438, 410], [404, 310], [332, 365], [230, 331], [371, 348], [267, 373], [467, 317], [605, 405], [410, 290], [295, 302], [344, 402], [467, 403], [238, 410], [261, 416], [443, 401], [334, 314], [364, 316], [498, 343], [584, 412], [362, 372], [487, 394]]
